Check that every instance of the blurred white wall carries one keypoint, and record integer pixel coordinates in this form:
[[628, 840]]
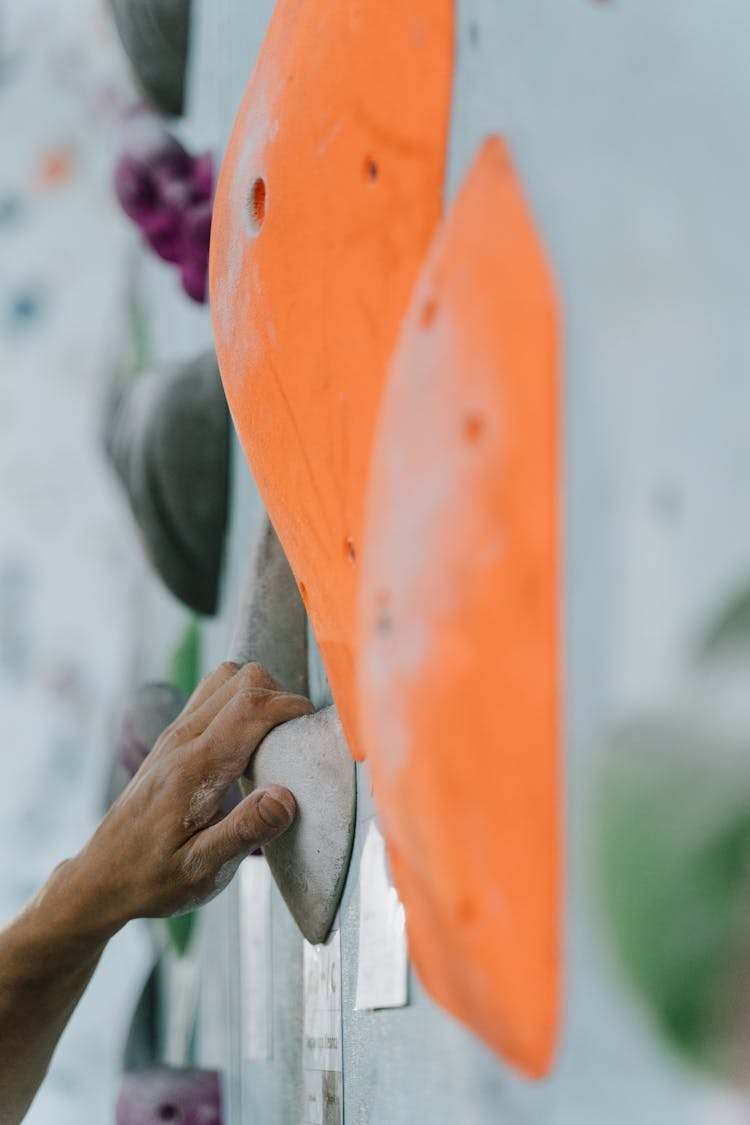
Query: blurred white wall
[[70, 567]]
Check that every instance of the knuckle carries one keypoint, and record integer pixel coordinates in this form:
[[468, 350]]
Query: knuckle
[[172, 732], [226, 669], [178, 733], [218, 676], [251, 673], [256, 675], [245, 834], [292, 705], [247, 838], [205, 681], [250, 703]]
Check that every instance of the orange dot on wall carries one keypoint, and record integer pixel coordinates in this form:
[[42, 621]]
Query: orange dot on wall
[[55, 167]]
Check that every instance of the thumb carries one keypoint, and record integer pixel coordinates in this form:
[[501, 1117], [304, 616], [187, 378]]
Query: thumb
[[257, 820]]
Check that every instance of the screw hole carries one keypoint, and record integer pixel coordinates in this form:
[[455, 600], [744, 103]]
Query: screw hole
[[383, 617], [429, 311], [256, 206], [169, 1112], [473, 428], [350, 549], [467, 910], [371, 169]]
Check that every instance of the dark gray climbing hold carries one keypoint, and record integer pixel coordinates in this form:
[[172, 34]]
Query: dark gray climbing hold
[[156, 36], [168, 439], [143, 1046], [148, 712], [164, 1094]]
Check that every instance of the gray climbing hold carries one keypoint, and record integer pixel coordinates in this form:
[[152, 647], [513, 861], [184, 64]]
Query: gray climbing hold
[[159, 1094], [307, 755], [156, 36], [310, 861], [168, 439], [271, 627]]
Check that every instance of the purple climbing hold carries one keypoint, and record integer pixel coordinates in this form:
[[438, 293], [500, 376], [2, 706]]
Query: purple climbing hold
[[198, 226], [135, 188], [195, 281], [164, 234], [151, 155], [167, 193], [175, 189], [163, 1094], [202, 176]]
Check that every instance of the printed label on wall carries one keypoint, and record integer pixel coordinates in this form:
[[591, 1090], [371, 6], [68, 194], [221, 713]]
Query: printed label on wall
[[382, 975], [255, 958], [321, 1045]]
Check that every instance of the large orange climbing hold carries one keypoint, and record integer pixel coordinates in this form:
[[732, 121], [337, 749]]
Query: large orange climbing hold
[[329, 194], [459, 677]]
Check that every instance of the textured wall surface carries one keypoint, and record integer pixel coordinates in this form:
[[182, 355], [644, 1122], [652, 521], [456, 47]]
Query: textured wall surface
[[627, 125]]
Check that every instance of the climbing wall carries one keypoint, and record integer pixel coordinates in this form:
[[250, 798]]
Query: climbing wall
[[610, 209]]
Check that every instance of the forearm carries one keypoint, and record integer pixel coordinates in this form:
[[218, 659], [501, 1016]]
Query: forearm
[[47, 957], [164, 846]]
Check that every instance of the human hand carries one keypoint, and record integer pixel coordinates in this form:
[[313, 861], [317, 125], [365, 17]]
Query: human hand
[[164, 847]]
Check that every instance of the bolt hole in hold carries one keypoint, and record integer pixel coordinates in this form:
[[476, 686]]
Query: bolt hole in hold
[[429, 312], [371, 170], [169, 1112], [473, 428], [256, 206], [384, 621]]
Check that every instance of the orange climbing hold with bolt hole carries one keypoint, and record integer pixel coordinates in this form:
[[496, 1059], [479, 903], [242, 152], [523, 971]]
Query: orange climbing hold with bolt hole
[[459, 677], [329, 194]]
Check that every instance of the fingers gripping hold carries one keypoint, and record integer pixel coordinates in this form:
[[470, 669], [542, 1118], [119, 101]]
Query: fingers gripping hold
[[236, 731], [257, 820]]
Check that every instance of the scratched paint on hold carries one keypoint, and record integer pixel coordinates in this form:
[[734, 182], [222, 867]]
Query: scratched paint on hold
[[330, 192], [459, 633]]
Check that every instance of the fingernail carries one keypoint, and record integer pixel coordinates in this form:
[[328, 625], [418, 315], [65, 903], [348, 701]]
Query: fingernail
[[275, 811]]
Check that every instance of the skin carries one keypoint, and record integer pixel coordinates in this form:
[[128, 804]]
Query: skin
[[163, 848]]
